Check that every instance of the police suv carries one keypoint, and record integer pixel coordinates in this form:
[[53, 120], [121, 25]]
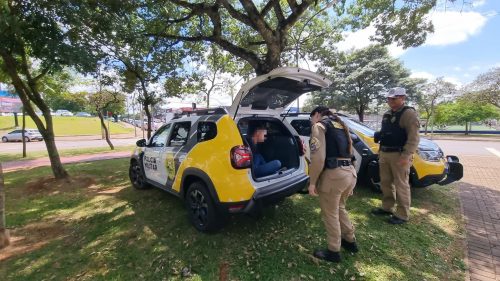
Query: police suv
[[430, 165], [205, 159]]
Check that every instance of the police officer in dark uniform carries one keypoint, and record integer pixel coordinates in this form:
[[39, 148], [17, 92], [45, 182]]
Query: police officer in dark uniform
[[332, 177], [399, 140]]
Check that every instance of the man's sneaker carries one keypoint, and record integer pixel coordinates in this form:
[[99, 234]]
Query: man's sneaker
[[396, 220], [381, 212], [327, 255], [349, 246]]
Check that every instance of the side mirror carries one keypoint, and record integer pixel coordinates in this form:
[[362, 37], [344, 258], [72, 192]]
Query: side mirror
[[354, 138], [141, 143]]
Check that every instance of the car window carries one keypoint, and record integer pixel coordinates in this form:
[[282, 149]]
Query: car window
[[303, 127], [206, 131], [180, 134], [160, 137], [15, 132]]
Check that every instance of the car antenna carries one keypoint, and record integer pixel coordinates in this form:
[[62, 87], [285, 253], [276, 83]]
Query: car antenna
[[286, 114]]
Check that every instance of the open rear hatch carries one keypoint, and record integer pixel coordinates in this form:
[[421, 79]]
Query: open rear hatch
[[271, 93]]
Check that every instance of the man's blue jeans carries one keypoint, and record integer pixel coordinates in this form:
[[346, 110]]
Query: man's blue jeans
[[261, 168]]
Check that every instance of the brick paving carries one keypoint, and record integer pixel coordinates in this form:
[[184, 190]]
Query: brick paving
[[480, 198]]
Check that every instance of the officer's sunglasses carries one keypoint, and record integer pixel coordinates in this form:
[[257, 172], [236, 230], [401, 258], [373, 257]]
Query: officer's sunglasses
[[393, 98]]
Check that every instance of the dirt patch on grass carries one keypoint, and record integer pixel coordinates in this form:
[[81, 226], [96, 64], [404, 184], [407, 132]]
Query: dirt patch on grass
[[50, 184], [32, 237]]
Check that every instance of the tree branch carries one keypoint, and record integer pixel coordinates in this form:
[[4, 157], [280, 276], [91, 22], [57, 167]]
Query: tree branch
[[259, 22], [295, 16], [237, 15]]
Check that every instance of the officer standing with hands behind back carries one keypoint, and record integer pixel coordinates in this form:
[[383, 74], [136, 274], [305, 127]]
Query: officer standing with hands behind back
[[333, 177], [399, 140]]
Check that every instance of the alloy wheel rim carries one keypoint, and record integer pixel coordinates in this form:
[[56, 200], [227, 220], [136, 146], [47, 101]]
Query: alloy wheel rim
[[199, 207]]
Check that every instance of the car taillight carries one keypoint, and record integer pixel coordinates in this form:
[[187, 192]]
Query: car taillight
[[241, 157], [302, 146]]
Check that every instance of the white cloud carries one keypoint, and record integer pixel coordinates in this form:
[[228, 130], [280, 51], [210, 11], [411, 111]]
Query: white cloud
[[478, 3], [453, 80], [457, 68], [451, 27], [467, 75], [474, 67], [422, 74], [361, 39]]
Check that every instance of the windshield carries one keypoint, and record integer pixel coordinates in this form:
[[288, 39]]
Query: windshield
[[357, 126]]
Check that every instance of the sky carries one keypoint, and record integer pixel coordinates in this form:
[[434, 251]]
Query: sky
[[465, 42]]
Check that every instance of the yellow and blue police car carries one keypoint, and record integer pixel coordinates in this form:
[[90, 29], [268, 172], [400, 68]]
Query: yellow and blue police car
[[430, 165]]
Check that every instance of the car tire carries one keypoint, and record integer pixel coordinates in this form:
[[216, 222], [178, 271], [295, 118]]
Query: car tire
[[201, 209], [375, 185], [26, 139], [136, 176], [4, 139]]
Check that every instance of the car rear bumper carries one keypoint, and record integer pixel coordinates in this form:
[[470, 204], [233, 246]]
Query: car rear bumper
[[269, 195]]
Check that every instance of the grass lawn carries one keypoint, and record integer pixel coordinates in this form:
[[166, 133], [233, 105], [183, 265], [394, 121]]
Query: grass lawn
[[4, 157], [68, 126], [97, 227]]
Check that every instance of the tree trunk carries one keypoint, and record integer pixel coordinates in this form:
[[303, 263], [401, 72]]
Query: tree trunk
[[16, 120], [27, 91], [148, 115], [4, 233], [426, 125], [106, 133], [466, 128], [24, 128]]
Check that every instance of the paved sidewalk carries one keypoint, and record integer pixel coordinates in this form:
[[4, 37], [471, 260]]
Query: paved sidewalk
[[480, 198], [29, 164]]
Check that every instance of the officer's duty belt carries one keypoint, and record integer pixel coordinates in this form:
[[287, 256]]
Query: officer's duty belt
[[333, 163], [391, 149]]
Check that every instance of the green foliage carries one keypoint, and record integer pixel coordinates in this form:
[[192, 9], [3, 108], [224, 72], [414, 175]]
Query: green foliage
[[69, 126], [431, 94], [267, 34], [106, 101], [465, 111], [486, 87], [103, 229], [360, 78]]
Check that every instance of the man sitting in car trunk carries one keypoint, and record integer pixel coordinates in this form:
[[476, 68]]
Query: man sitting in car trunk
[[260, 167]]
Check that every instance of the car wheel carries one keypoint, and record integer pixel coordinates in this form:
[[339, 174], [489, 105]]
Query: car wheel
[[26, 139], [4, 139], [137, 176], [201, 209], [375, 185]]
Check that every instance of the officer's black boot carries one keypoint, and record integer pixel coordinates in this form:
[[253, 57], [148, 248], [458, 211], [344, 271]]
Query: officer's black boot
[[327, 255], [380, 212], [349, 246]]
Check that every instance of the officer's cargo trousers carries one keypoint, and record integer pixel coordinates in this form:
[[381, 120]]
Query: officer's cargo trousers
[[394, 181], [335, 186]]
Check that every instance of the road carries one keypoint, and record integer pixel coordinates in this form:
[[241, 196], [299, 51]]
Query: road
[[469, 148], [16, 147]]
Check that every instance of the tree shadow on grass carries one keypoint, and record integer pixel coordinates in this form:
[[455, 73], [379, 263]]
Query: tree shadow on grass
[[116, 232]]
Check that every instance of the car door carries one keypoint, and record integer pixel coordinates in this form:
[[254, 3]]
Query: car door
[[153, 155], [174, 152], [15, 135]]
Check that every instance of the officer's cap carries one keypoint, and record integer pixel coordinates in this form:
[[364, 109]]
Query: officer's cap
[[397, 91]]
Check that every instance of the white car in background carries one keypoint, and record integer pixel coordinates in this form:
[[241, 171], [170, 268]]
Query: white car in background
[[16, 135], [63, 112]]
